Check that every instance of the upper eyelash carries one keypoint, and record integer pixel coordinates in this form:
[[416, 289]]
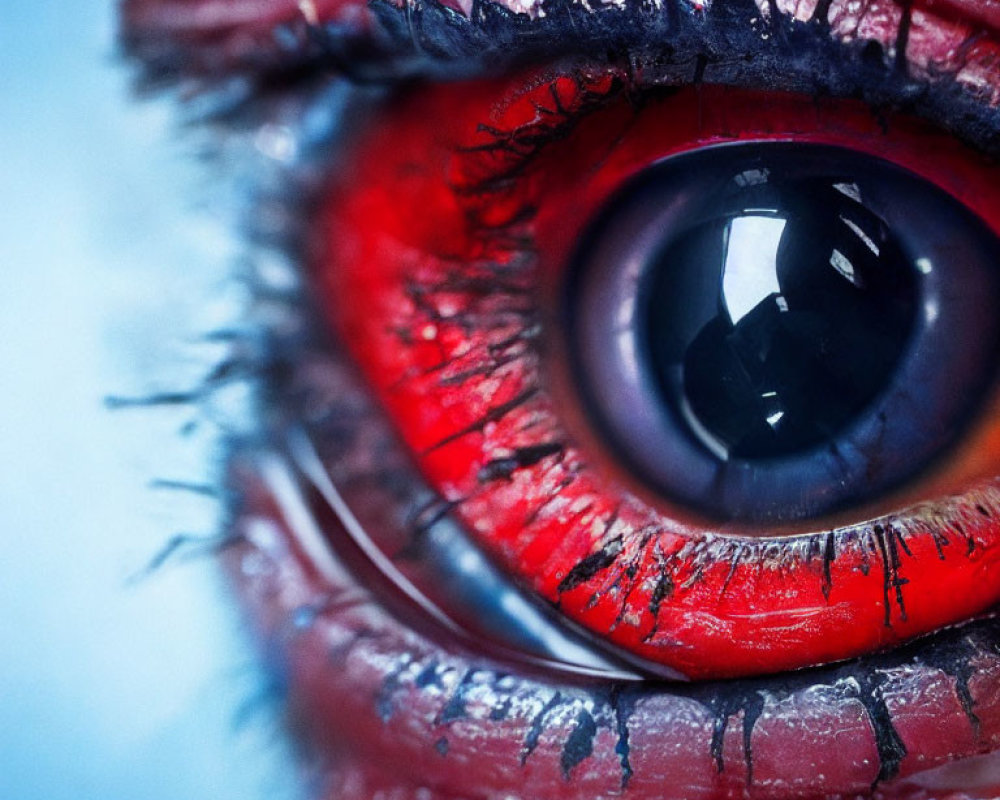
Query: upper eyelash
[[673, 43]]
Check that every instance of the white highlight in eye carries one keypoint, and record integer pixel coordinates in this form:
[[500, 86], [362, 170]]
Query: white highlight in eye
[[864, 237], [627, 353], [752, 177], [931, 311], [850, 190], [750, 272], [843, 265]]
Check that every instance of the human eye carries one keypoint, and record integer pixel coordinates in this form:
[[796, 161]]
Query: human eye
[[436, 450]]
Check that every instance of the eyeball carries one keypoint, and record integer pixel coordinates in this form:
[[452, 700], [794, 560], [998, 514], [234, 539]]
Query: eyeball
[[775, 331]]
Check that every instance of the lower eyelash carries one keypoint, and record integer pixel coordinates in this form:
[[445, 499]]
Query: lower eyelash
[[427, 678]]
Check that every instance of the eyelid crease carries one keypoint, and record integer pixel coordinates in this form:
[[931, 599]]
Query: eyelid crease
[[453, 565]]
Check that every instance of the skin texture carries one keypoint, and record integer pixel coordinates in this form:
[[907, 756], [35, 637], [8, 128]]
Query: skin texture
[[395, 702]]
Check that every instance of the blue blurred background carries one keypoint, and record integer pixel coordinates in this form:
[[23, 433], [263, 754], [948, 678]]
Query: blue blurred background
[[113, 263]]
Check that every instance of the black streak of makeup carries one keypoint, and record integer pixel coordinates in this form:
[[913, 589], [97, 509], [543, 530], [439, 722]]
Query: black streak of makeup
[[622, 702], [734, 562], [392, 682], [591, 565], [752, 710], [888, 743], [499, 712], [455, 707], [662, 591], [956, 661], [496, 361], [940, 542], [903, 37], [829, 556], [888, 546], [821, 14], [533, 516], [580, 743], [629, 573], [495, 413], [537, 727], [970, 542], [432, 675], [723, 707]]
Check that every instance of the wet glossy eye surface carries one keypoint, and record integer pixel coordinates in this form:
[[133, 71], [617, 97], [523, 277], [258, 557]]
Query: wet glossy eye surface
[[775, 331]]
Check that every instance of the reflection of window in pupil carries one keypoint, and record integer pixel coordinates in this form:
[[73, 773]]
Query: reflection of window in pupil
[[775, 324]]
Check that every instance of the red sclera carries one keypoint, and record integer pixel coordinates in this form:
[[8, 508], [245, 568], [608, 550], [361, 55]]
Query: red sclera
[[447, 240]]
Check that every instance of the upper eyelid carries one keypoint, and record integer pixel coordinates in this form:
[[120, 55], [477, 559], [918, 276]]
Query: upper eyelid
[[205, 40], [200, 46]]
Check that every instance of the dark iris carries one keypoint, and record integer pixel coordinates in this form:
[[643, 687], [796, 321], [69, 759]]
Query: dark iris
[[775, 323], [774, 331]]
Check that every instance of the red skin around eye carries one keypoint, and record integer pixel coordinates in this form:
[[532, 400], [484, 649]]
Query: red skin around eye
[[436, 295], [401, 715]]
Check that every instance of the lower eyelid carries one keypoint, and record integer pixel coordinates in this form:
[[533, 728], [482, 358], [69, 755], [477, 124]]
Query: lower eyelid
[[420, 707], [427, 709]]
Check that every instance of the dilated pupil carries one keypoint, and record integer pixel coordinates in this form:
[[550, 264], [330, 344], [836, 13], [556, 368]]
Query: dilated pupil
[[773, 324]]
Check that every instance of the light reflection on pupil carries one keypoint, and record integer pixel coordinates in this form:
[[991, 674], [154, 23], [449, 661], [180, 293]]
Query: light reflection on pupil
[[774, 323]]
